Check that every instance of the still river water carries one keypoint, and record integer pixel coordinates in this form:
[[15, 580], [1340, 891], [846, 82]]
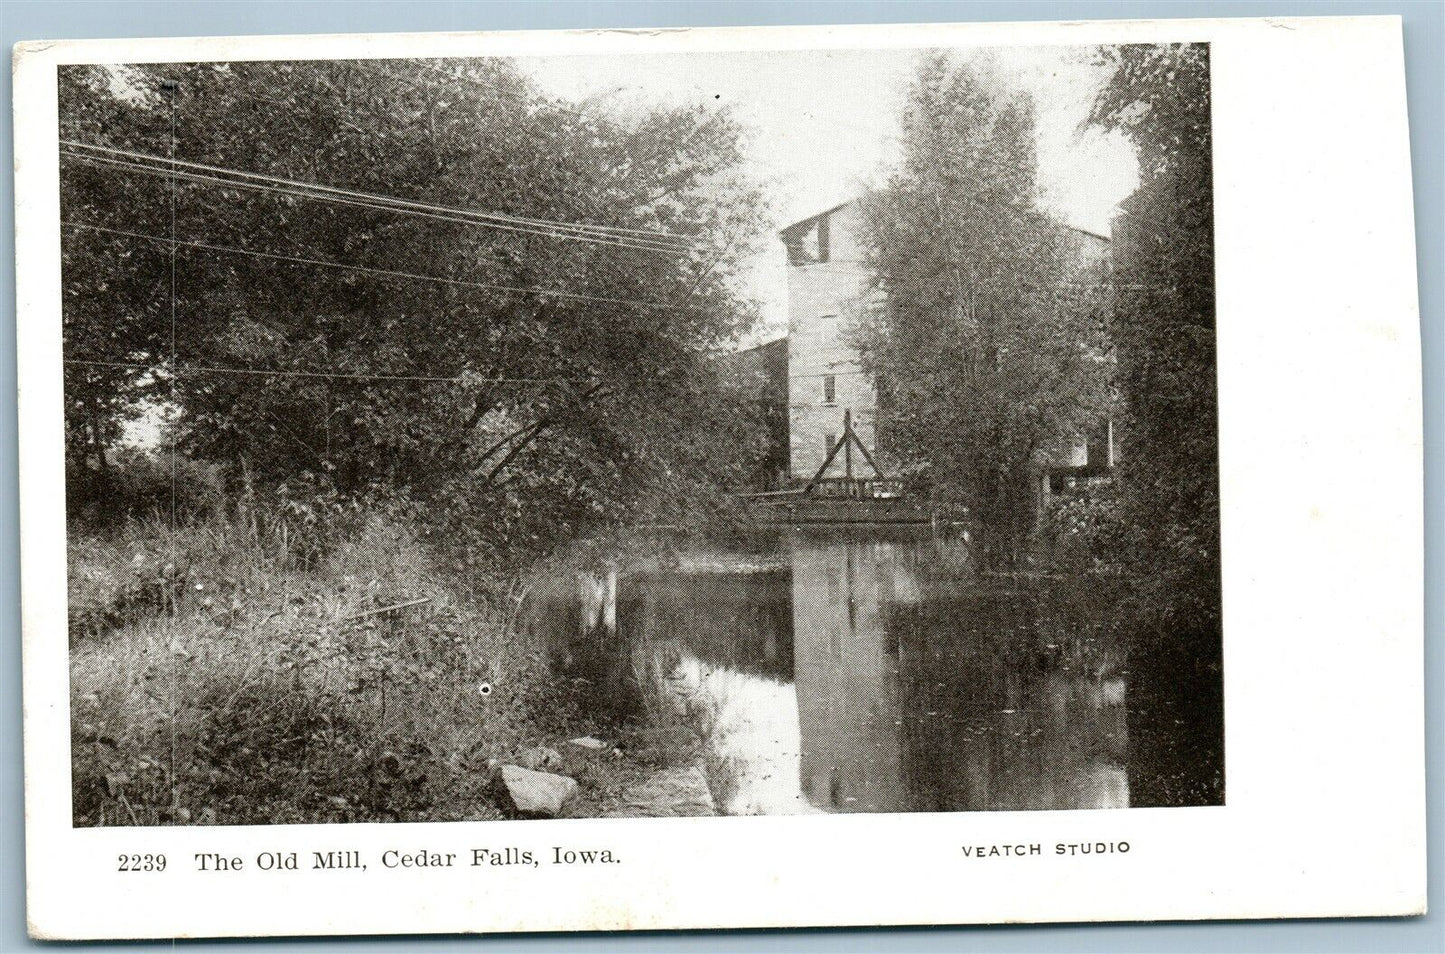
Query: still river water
[[879, 671]]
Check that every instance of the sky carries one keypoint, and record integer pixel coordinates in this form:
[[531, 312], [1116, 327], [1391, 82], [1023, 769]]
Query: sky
[[824, 125]]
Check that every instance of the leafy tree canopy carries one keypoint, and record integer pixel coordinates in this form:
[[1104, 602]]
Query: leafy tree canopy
[[1164, 322], [522, 360], [986, 337]]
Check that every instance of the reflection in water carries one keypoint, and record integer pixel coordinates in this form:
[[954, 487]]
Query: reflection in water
[[916, 693], [859, 673], [847, 673], [753, 743]]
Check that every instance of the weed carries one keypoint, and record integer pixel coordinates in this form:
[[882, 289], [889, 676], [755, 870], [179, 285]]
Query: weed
[[224, 671]]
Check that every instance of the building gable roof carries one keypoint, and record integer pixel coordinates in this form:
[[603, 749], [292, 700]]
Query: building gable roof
[[802, 225]]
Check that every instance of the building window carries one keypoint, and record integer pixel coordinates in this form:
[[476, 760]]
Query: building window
[[828, 441], [827, 330], [830, 389]]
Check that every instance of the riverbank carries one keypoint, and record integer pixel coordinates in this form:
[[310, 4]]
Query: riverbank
[[223, 673]]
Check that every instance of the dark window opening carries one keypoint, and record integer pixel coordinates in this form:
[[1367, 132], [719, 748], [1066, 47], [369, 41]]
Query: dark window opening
[[808, 241], [830, 389]]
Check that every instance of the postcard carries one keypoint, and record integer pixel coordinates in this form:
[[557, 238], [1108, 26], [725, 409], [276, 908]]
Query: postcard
[[719, 478]]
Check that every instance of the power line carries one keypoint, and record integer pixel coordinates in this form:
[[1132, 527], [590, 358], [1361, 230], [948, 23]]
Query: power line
[[171, 90], [828, 374], [327, 375], [493, 85], [639, 244], [384, 272], [255, 186], [489, 216], [580, 231], [925, 278]]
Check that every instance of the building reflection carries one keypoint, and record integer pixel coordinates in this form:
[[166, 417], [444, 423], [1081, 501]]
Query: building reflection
[[885, 675], [847, 672]]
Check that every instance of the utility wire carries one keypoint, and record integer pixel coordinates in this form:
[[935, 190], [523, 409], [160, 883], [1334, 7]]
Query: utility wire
[[577, 230], [491, 216], [384, 272], [927, 278], [327, 375], [173, 91], [827, 374], [233, 184], [638, 244]]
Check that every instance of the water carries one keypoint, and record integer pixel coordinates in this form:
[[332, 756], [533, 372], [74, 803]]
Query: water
[[877, 672]]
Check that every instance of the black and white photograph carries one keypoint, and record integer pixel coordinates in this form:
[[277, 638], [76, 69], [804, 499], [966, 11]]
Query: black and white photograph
[[464, 439], [540, 479]]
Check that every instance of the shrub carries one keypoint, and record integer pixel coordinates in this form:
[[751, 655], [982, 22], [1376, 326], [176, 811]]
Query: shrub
[[258, 683], [139, 483], [1085, 523]]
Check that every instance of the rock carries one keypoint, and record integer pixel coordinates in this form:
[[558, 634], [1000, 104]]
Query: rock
[[539, 758], [588, 742], [534, 794], [674, 793]]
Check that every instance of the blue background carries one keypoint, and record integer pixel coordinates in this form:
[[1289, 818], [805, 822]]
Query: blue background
[[1424, 52]]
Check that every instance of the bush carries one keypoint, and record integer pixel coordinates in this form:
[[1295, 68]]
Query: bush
[[1085, 523], [253, 682], [138, 484], [205, 558]]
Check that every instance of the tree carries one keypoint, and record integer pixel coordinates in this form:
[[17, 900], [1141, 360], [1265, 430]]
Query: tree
[[448, 354], [113, 322], [1164, 333], [989, 356], [1158, 96]]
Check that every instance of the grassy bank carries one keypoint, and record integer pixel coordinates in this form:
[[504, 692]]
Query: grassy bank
[[235, 671]]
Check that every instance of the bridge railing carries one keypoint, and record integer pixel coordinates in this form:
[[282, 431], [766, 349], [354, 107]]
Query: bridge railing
[[858, 488]]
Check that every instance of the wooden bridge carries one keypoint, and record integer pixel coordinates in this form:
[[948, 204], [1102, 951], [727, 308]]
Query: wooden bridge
[[847, 499]]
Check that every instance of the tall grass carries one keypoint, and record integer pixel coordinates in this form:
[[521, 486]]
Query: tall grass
[[235, 670]]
